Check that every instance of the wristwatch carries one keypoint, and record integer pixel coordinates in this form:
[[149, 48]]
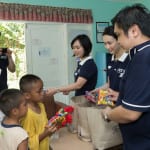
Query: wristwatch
[[106, 118]]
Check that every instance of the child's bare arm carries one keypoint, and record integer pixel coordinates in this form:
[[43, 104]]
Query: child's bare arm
[[49, 130], [23, 145]]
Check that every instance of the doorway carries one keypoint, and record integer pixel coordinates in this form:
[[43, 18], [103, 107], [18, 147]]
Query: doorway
[[13, 37]]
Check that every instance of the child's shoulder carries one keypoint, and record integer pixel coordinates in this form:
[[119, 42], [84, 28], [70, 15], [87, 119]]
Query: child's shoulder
[[41, 104], [43, 110], [12, 129], [31, 109]]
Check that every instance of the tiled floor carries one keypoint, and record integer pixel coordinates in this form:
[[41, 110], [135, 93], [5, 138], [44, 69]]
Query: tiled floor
[[69, 141]]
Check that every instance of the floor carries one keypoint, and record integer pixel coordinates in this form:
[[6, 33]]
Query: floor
[[64, 140], [69, 141]]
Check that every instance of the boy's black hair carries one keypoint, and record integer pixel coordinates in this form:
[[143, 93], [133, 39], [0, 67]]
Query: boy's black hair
[[9, 99], [136, 14], [26, 82], [85, 43], [110, 31]]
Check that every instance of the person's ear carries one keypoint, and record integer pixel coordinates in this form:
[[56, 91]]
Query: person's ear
[[26, 95], [14, 111], [134, 31]]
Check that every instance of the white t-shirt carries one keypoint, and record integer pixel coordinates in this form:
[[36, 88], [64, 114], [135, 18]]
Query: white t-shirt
[[11, 136]]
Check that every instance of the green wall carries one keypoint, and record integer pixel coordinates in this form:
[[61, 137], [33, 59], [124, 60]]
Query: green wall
[[103, 11]]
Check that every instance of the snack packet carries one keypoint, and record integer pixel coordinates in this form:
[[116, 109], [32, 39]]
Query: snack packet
[[62, 117], [103, 98]]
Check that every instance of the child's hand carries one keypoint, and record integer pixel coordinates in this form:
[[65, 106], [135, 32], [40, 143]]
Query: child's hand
[[51, 91], [50, 129]]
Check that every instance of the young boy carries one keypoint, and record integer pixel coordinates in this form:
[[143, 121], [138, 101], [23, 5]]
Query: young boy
[[12, 135], [35, 122]]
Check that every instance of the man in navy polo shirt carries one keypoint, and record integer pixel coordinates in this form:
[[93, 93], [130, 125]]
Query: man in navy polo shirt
[[132, 26]]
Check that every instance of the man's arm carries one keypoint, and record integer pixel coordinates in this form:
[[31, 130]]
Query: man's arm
[[11, 64], [121, 114]]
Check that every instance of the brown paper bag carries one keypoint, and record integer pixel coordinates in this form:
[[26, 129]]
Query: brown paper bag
[[75, 101], [83, 126], [103, 134]]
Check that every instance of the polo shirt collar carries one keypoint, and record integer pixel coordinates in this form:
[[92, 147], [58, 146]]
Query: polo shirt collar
[[84, 60], [122, 58], [139, 48]]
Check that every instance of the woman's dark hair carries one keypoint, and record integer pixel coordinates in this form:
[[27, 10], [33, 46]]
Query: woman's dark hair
[[110, 31], [85, 43], [136, 14]]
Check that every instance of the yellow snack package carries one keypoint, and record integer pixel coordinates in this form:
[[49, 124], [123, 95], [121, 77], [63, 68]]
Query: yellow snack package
[[103, 98]]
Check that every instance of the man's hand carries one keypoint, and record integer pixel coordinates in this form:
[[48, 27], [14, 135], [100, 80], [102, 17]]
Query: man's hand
[[105, 113], [95, 91], [113, 95]]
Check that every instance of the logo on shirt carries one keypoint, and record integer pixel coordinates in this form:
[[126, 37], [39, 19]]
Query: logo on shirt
[[109, 67], [121, 72]]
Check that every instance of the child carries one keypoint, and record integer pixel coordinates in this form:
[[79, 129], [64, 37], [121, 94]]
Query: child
[[35, 122], [14, 106]]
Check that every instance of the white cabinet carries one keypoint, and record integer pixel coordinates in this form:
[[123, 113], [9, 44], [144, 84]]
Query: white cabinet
[[49, 54]]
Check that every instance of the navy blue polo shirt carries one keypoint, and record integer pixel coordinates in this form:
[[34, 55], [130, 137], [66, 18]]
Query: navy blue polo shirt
[[3, 71], [88, 70], [135, 95], [116, 70]]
